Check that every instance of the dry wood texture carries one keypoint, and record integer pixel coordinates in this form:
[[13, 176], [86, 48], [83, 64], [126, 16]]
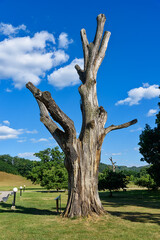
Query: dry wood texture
[[82, 155]]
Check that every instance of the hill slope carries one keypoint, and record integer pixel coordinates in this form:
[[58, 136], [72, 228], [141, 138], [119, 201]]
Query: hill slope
[[11, 180], [103, 166]]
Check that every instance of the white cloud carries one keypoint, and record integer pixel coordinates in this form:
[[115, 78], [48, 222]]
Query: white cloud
[[24, 59], [21, 140], [32, 132], [116, 154], [33, 140], [136, 148], [152, 112], [8, 29], [8, 90], [6, 122], [59, 57], [136, 130], [66, 76], [145, 84], [28, 155], [64, 41], [9, 133], [137, 94]]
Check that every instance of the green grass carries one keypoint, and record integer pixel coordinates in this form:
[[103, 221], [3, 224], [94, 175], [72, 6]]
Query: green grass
[[132, 215]]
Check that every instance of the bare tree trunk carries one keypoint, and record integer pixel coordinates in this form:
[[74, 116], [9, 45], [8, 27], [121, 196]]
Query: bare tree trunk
[[82, 154], [113, 164]]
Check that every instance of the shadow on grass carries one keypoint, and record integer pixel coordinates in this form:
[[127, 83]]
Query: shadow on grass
[[43, 190], [137, 216], [141, 198], [6, 208], [134, 198], [50, 191]]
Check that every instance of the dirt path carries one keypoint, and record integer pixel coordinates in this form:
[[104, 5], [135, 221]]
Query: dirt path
[[4, 195]]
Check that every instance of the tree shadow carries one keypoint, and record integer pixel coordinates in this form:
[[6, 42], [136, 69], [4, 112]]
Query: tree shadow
[[134, 198], [137, 216], [33, 211], [141, 198], [50, 191]]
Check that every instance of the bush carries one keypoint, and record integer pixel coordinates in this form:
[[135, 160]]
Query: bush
[[146, 181]]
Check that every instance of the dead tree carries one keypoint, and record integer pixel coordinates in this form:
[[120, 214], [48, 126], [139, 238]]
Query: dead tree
[[113, 164], [82, 154]]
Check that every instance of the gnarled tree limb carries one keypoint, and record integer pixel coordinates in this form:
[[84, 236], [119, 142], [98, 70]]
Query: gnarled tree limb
[[98, 36], [85, 45], [102, 50], [56, 113], [52, 127], [124, 125]]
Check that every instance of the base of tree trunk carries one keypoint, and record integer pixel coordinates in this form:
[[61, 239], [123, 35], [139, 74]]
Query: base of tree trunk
[[77, 207]]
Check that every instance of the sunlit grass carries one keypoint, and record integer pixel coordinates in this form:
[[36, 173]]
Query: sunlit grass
[[132, 215]]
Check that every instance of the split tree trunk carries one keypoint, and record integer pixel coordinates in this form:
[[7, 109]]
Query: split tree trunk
[[82, 154]]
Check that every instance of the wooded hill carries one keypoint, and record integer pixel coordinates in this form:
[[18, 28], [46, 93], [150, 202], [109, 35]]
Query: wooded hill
[[15, 165], [21, 166], [120, 168]]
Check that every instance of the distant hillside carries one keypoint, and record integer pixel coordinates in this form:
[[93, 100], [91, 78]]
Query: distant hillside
[[22, 166], [11, 180], [15, 165], [8, 168], [133, 169]]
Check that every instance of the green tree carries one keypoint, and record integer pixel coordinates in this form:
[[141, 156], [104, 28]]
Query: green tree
[[50, 171], [150, 148], [112, 181]]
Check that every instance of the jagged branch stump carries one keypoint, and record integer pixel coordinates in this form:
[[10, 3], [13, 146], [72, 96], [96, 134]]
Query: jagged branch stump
[[82, 154]]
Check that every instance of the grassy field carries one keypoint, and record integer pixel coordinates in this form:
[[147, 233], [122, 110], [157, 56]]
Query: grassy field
[[131, 215]]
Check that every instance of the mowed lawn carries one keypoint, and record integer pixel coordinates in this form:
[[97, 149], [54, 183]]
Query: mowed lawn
[[132, 215]]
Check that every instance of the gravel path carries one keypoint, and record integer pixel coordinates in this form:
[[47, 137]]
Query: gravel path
[[4, 195]]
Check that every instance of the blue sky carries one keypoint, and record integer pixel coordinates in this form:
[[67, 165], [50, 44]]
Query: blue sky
[[40, 42]]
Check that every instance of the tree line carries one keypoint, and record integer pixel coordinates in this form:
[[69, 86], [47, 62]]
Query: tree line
[[15, 165]]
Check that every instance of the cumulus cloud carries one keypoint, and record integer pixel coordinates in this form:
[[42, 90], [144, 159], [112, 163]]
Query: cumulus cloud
[[33, 140], [66, 76], [8, 90], [136, 130], [59, 57], [32, 132], [137, 94], [64, 41], [24, 59], [116, 154], [8, 29], [21, 140], [152, 112], [6, 122], [28, 155], [9, 133]]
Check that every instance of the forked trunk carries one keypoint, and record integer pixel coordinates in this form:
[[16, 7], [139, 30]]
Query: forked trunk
[[82, 154]]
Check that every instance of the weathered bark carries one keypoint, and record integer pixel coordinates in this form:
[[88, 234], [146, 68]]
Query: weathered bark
[[82, 154], [113, 164]]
